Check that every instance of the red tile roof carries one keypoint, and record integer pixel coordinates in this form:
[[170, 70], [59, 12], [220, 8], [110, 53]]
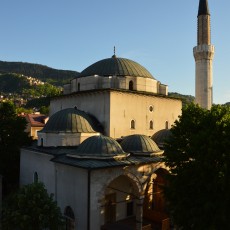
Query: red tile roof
[[36, 120]]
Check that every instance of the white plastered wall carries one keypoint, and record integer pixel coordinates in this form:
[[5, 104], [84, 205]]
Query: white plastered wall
[[96, 104], [62, 138], [130, 106], [115, 110], [116, 82], [72, 191], [31, 162]]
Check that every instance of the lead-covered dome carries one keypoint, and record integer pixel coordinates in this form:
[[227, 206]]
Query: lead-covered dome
[[161, 136], [99, 147], [115, 66], [140, 145], [71, 120]]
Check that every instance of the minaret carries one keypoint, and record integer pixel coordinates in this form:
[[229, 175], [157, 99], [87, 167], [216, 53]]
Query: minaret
[[203, 54]]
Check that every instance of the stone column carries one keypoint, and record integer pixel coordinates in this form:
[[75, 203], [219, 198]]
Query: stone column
[[139, 213]]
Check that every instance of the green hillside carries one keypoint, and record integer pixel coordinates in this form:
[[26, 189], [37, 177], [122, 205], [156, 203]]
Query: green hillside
[[12, 83], [186, 99], [41, 72]]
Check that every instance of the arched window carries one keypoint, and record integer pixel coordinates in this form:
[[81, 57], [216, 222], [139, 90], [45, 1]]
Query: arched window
[[166, 125], [78, 87], [130, 85], [69, 218], [151, 125], [41, 142], [132, 125], [35, 177]]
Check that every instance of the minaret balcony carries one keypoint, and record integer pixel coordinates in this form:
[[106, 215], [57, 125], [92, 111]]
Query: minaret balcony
[[203, 52]]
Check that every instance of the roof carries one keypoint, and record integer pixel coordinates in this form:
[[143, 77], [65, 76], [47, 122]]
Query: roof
[[99, 147], [99, 91], [140, 144], [115, 66], [93, 164], [63, 155], [203, 8], [36, 120], [71, 120], [161, 136]]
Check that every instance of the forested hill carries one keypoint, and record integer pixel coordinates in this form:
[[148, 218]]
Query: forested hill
[[186, 99], [41, 72]]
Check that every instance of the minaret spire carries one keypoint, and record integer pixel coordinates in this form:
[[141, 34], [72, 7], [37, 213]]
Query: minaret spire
[[203, 54], [203, 8]]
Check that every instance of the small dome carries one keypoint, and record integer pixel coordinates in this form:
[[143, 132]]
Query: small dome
[[116, 66], [101, 147], [71, 120], [161, 136], [140, 145]]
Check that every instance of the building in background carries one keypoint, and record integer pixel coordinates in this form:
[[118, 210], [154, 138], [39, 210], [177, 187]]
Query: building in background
[[35, 123]]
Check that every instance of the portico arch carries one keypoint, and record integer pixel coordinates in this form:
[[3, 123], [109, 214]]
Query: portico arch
[[154, 208], [122, 198]]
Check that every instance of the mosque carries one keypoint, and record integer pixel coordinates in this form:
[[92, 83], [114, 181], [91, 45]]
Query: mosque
[[101, 152]]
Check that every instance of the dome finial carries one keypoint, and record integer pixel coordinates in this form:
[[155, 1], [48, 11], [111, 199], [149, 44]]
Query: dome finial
[[114, 52]]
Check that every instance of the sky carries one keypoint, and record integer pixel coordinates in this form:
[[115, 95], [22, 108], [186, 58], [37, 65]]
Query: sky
[[159, 35]]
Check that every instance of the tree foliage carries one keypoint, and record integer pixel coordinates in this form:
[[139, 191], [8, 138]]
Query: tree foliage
[[186, 99], [46, 90], [198, 154], [12, 137], [31, 208]]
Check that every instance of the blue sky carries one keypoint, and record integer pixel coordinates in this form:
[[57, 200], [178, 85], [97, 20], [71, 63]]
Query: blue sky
[[160, 35]]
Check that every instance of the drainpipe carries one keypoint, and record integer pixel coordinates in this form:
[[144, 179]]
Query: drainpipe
[[55, 184], [88, 213], [0, 200], [139, 213]]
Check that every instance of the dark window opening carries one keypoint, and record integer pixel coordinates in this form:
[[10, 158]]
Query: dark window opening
[[35, 177], [69, 218], [132, 124], [166, 125], [151, 125], [131, 85], [42, 142], [129, 209]]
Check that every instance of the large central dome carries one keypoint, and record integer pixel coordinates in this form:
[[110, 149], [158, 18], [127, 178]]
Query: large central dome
[[115, 66]]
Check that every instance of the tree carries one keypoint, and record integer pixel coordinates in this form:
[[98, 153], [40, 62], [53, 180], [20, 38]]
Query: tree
[[12, 138], [198, 155], [31, 208], [44, 110]]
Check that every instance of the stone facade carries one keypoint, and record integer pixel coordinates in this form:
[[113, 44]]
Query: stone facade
[[115, 109]]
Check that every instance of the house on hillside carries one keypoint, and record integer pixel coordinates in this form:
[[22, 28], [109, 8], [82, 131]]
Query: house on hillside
[[35, 122]]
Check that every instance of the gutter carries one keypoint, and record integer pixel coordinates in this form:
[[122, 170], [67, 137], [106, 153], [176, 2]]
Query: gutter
[[88, 205]]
